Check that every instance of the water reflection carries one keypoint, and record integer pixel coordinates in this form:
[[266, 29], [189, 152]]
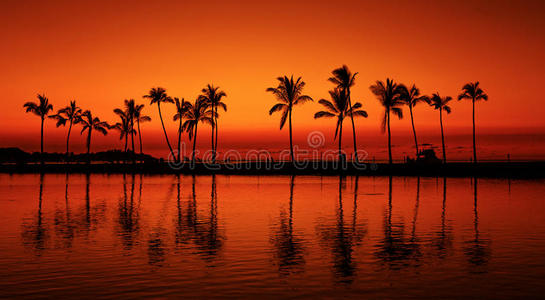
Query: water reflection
[[34, 231], [477, 250], [64, 226], [341, 239], [128, 214], [442, 241], [394, 249], [289, 250]]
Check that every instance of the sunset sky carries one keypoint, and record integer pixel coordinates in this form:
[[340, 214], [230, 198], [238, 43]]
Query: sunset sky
[[100, 53]]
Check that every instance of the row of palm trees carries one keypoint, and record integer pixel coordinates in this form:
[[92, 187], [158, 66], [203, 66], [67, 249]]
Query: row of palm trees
[[188, 115], [391, 95], [289, 92]]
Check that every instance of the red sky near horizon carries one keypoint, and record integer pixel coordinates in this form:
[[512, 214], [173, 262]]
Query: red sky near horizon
[[101, 52]]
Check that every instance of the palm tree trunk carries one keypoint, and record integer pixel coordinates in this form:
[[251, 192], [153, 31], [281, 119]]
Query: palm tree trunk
[[132, 135], [42, 142], [68, 140], [414, 131], [89, 145], [194, 142], [340, 141], [353, 127], [164, 130], [126, 139], [442, 135], [474, 146], [389, 140], [139, 135], [180, 139], [212, 138], [291, 139], [216, 139]]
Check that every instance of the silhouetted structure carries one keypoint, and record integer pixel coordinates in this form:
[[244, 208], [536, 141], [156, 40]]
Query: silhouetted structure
[[475, 93]]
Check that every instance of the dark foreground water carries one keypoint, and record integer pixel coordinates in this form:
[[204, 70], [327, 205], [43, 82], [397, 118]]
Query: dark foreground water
[[242, 236]]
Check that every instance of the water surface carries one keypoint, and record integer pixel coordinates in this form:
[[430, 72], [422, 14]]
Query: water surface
[[242, 236]]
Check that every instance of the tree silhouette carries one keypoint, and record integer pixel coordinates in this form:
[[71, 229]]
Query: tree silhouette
[[441, 103], [213, 96], [411, 97], [140, 118], [389, 96], [288, 93], [339, 107], [344, 79], [181, 111], [198, 112], [70, 114], [124, 127], [159, 95], [40, 109], [475, 93], [91, 123]]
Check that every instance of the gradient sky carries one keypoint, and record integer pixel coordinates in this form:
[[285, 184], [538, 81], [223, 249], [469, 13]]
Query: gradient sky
[[100, 53]]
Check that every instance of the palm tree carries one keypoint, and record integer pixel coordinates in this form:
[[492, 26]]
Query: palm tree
[[70, 114], [213, 96], [475, 93], [181, 111], [441, 103], [339, 107], [288, 93], [344, 79], [140, 118], [91, 123], [159, 95], [411, 97], [40, 109], [130, 109], [389, 96], [124, 126], [199, 112]]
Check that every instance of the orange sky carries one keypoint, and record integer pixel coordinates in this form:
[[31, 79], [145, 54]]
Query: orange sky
[[103, 52]]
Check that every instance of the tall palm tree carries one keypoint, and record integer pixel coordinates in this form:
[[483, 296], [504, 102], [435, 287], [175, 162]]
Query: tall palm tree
[[288, 93], [70, 114], [213, 96], [159, 95], [130, 110], [181, 110], [91, 123], [389, 96], [124, 127], [198, 112], [411, 97], [40, 109], [344, 79], [475, 93], [441, 103], [140, 118], [339, 107]]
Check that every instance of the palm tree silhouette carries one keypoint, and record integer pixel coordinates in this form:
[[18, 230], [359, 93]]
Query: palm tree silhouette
[[70, 114], [289, 93], [40, 109], [344, 79], [475, 93], [140, 118], [213, 96], [124, 126], [130, 109], [411, 97], [159, 95], [389, 96], [181, 111], [440, 103], [91, 123], [339, 107], [199, 112]]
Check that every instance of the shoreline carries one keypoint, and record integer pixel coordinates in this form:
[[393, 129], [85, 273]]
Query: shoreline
[[483, 169]]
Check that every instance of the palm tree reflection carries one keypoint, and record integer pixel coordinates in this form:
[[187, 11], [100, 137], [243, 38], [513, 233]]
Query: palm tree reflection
[[128, 214], [289, 251], [443, 240], [341, 239], [64, 226], [478, 249], [394, 250], [34, 233]]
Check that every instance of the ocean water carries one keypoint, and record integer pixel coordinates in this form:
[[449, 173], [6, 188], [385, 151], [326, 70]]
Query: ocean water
[[113, 236]]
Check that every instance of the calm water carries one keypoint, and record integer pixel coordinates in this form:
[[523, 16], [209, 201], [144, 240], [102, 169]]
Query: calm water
[[134, 235]]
